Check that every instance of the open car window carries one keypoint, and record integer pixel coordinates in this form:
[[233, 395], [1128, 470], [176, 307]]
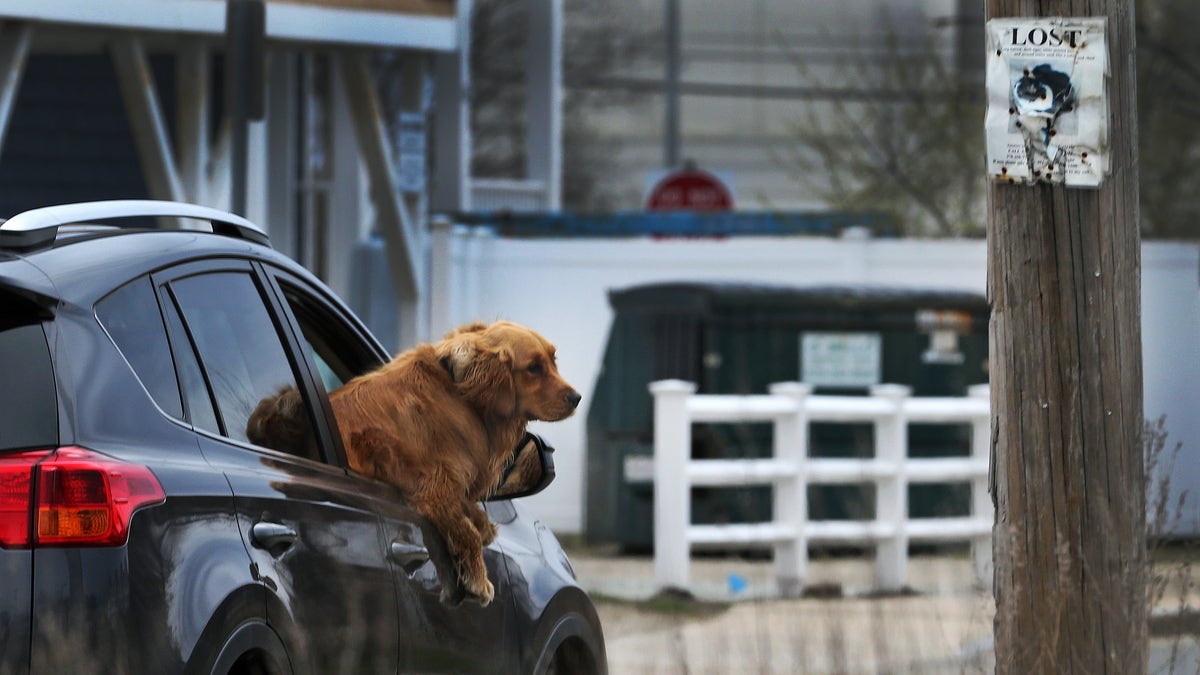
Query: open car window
[[336, 351]]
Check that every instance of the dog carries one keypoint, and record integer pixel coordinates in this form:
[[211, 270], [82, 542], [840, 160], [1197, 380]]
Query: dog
[[1044, 91], [280, 422], [441, 422]]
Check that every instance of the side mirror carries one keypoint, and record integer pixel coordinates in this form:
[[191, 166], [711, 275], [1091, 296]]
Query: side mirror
[[529, 471]]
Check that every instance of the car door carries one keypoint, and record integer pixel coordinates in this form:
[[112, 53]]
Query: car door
[[440, 636], [315, 542]]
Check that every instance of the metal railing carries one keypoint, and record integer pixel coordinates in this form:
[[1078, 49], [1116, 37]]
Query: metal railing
[[493, 194], [791, 407]]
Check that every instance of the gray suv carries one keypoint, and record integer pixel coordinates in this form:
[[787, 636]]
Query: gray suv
[[140, 529]]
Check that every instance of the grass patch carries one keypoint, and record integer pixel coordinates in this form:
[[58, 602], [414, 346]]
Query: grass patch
[[1182, 624], [668, 602], [1180, 550]]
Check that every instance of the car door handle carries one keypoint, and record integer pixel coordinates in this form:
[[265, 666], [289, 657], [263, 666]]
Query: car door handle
[[274, 537], [410, 557]]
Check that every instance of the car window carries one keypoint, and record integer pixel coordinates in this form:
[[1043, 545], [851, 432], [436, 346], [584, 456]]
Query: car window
[[197, 401], [337, 353], [28, 410], [245, 363], [133, 321]]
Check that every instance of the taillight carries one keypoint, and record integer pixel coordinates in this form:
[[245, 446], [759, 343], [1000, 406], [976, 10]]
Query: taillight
[[83, 498], [16, 494]]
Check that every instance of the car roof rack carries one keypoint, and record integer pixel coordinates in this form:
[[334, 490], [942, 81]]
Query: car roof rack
[[39, 227]]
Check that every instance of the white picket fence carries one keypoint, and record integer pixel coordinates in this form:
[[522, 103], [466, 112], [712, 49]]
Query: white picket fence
[[790, 407]]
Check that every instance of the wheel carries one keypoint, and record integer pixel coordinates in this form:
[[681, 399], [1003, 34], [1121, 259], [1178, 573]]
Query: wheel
[[252, 649], [573, 647]]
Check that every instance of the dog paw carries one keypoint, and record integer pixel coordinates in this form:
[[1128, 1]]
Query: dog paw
[[479, 590]]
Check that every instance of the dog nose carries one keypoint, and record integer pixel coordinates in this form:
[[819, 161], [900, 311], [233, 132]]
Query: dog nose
[[574, 398]]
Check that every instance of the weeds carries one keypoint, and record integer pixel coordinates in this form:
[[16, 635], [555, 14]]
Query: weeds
[[1172, 591], [944, 626]]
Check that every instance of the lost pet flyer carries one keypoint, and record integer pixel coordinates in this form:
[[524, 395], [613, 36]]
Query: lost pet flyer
[[1047, 114]]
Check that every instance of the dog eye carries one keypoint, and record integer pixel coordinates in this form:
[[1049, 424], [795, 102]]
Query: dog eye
[[535, 368]]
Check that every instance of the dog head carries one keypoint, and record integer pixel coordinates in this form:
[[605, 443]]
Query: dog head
[[1044, 91], [508, 370]]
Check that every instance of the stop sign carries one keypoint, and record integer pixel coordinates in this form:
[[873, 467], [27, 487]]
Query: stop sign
[[689, 190]]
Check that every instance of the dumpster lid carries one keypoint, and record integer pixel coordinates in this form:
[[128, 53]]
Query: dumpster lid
[[701, 295]]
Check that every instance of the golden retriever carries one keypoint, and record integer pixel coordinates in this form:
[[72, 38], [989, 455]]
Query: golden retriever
[[440, 421]]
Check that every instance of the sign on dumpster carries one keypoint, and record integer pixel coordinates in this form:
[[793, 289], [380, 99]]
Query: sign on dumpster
[[1047, 112], [840, 359]]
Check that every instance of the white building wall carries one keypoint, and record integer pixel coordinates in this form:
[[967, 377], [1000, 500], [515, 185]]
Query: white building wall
[[559, 287], [1171, 365]]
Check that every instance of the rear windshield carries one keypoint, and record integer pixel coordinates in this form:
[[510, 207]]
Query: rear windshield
[[28, 412]]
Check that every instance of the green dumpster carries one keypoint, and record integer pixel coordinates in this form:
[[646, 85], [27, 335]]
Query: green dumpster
[[739, 338]]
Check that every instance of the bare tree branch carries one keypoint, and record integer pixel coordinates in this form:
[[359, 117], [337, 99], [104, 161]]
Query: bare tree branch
[[916, 154]]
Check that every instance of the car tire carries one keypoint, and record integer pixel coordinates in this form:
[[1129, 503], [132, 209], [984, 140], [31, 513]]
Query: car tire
[[572, 646], [252, 649]]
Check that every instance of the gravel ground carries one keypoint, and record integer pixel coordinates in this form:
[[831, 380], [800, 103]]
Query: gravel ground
[[736, 622]]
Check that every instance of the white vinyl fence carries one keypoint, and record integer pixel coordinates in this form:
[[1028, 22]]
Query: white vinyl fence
[[790, 407]]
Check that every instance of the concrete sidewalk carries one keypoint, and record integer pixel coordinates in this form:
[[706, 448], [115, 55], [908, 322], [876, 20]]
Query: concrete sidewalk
[[738, 624]]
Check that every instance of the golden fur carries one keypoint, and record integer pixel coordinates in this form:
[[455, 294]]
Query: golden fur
[[440, 421]]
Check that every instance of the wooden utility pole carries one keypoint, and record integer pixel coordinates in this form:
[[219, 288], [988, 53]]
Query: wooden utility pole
[[1064, 280]]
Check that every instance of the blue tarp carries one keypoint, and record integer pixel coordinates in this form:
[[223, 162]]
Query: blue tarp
[[678, 223]]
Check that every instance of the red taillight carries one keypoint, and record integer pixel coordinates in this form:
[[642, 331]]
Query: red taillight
[[83, 498], [16, 473]]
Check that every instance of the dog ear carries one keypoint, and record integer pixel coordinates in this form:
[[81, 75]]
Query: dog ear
[[481, 368], [487, 381], [456, 352]]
